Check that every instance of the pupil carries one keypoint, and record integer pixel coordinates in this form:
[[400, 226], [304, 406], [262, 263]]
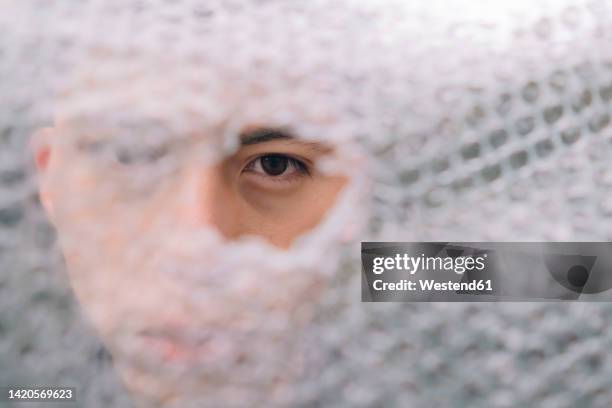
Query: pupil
[[274, 165]]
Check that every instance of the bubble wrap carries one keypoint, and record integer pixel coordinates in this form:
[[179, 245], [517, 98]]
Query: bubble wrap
[[463, 120]]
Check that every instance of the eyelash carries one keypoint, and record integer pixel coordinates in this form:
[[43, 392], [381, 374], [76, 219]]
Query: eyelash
[[292, 163]]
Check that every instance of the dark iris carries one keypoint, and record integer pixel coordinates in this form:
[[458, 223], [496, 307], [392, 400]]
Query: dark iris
[[274, 165]]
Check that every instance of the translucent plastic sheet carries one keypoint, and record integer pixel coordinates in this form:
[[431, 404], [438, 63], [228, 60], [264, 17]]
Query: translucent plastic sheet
[[463, 120]]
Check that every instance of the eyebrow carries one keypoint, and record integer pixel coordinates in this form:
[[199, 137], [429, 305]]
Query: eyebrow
[[263, 134], [267, 134]]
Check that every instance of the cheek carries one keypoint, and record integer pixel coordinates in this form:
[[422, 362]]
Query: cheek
[[327, 193], [281, 217], [92, 211], [97, 233]]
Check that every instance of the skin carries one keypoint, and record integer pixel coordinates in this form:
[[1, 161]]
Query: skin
[[238, 196], [101, 218]]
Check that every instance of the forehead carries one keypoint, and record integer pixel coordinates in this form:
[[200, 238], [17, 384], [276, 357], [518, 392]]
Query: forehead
[[277, 63], [354, 66], [189, 94]]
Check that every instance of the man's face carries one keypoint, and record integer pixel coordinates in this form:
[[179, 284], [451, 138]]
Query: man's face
[[141, 219]]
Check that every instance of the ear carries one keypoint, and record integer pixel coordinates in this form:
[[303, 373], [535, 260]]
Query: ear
[[40, 146]]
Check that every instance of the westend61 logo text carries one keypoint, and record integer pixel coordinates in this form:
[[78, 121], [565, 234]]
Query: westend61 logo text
[[412, 264]]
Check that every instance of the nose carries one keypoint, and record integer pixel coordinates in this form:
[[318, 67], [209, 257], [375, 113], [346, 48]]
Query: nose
[[204, 200]]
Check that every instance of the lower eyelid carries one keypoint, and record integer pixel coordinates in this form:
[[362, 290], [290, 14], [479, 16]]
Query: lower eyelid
[[265, 181], [295, 174], [269, 184]]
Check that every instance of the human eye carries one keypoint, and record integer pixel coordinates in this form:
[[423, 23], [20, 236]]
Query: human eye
[[124, 154], [129, 170], [140, 155], [277, 167]]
